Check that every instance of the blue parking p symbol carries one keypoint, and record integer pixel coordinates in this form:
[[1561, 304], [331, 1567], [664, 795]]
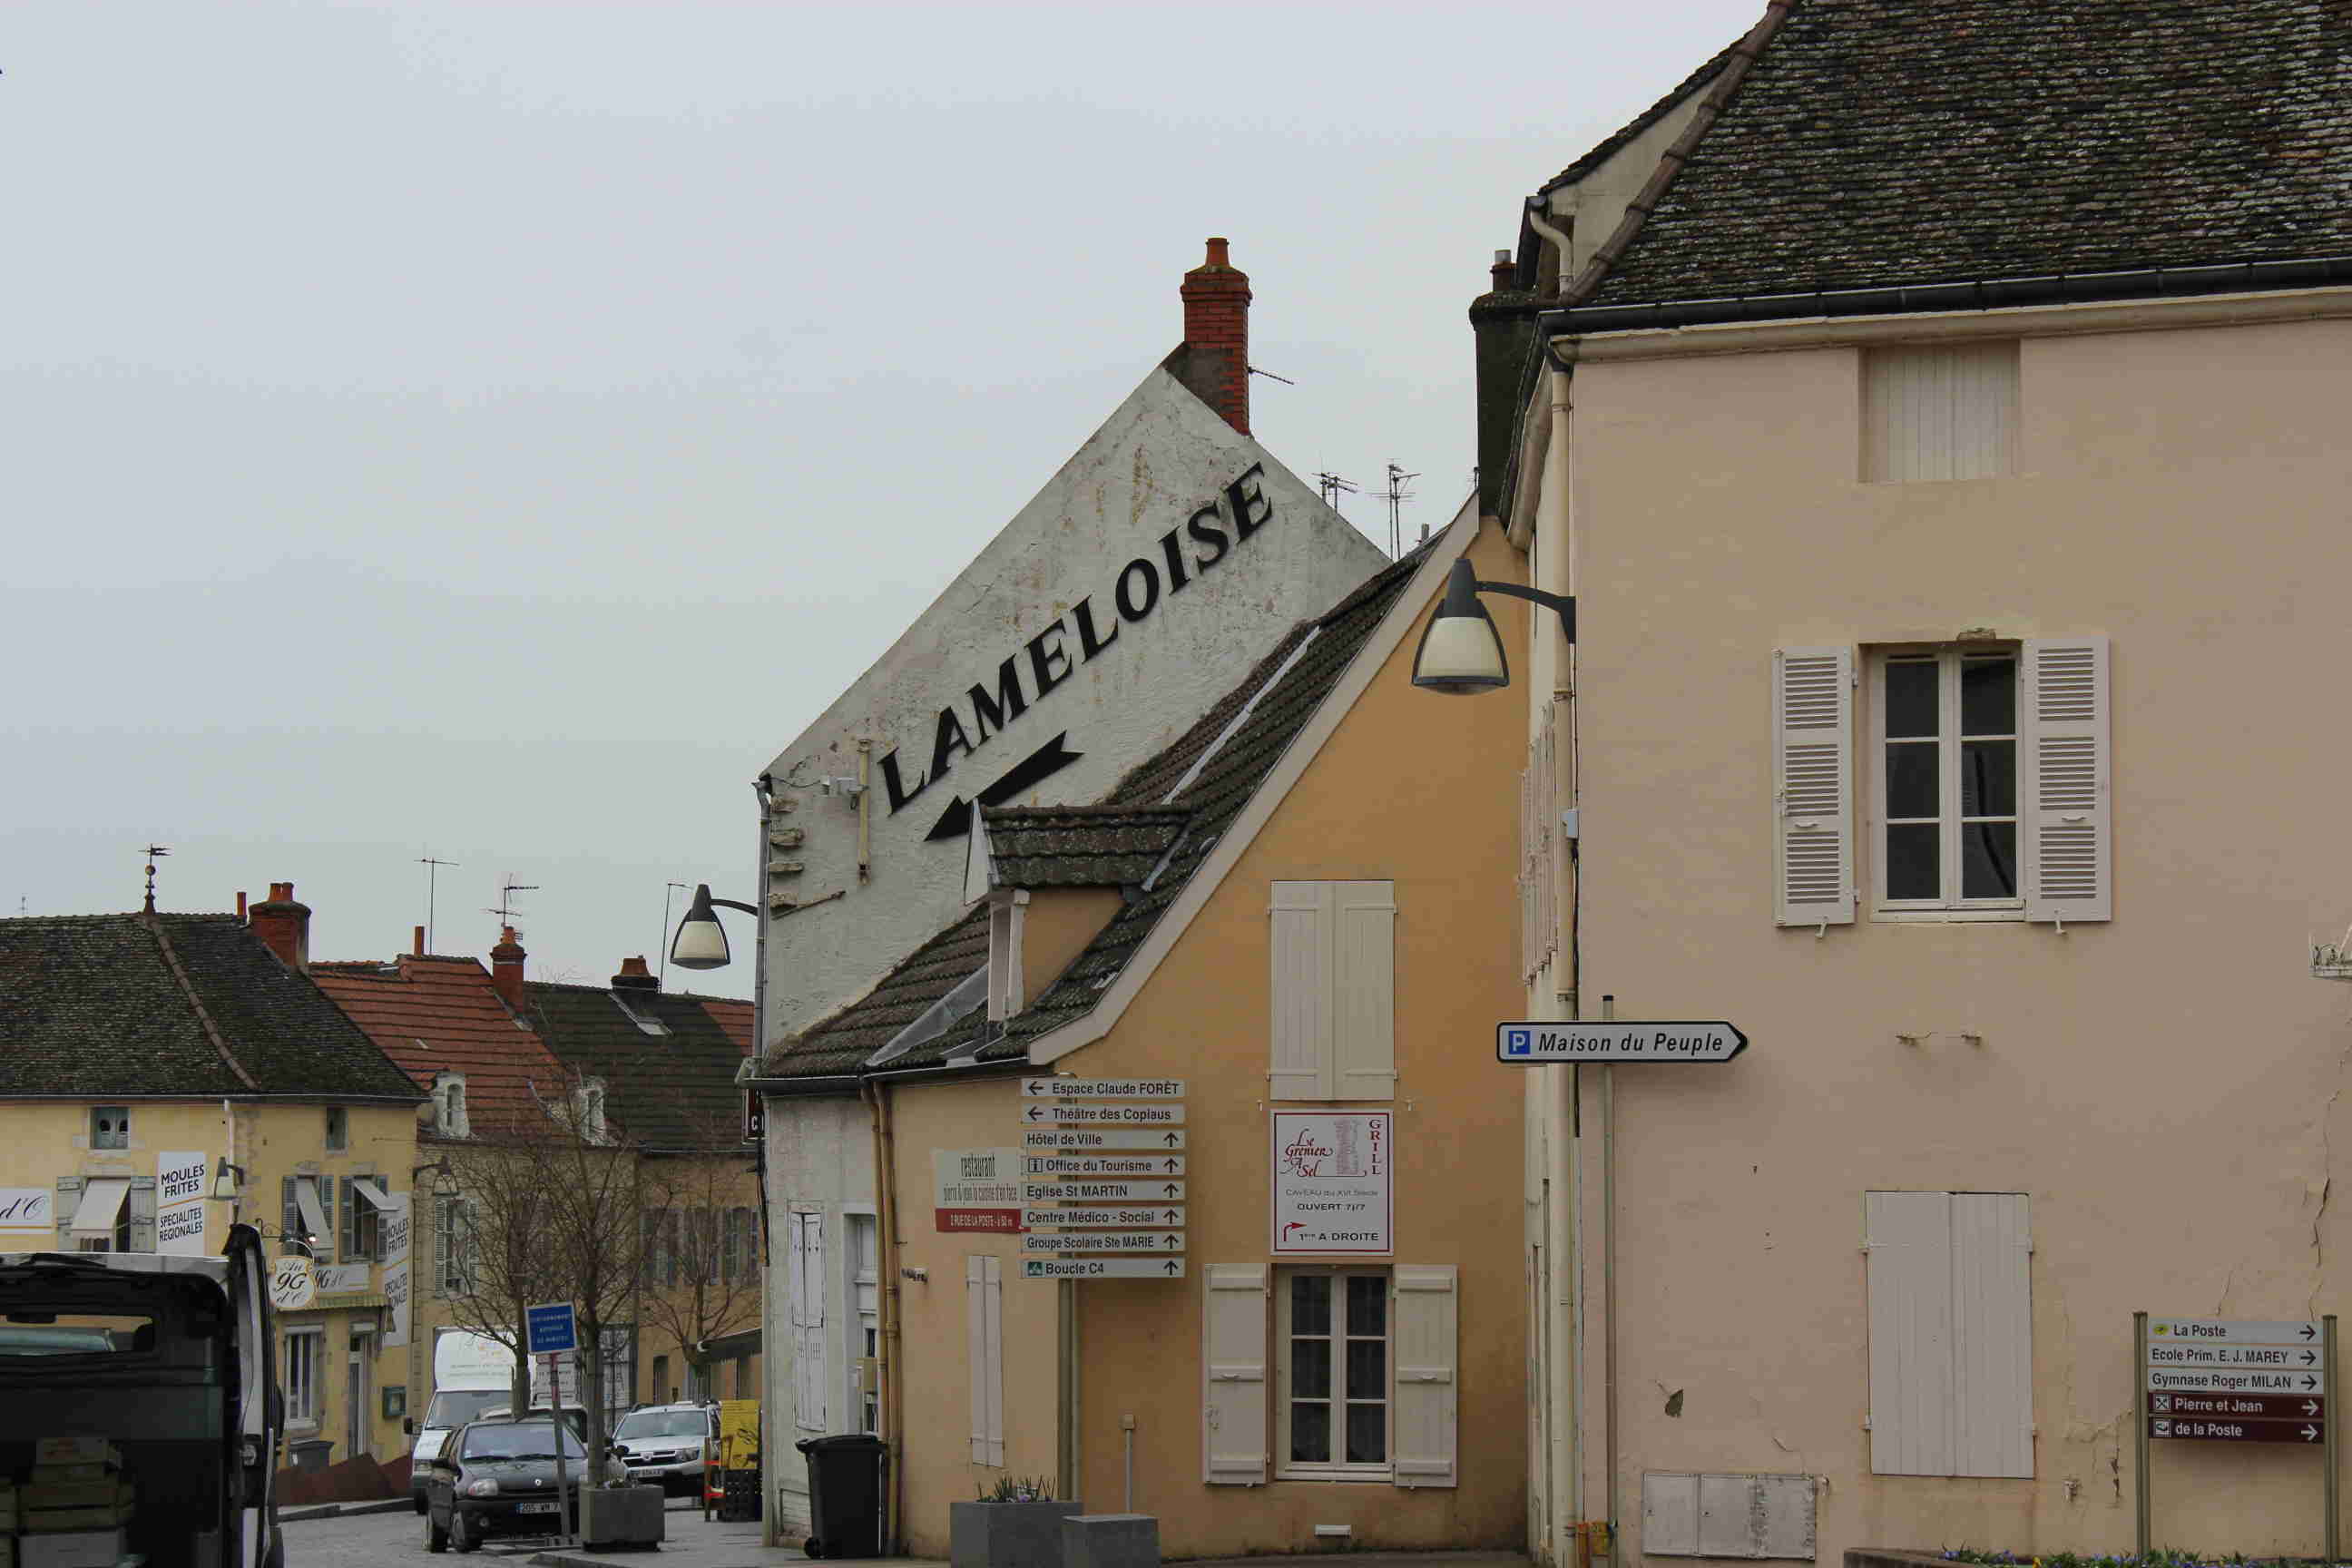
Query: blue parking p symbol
[[1518, 1042]]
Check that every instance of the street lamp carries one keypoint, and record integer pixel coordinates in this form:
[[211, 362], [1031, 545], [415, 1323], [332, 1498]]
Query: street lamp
[[225, 1178], [701, 940], [1461, 653]]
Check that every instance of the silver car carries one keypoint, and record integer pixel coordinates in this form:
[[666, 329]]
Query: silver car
[[664, 1444]]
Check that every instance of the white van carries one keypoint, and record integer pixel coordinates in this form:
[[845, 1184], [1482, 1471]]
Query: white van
[[472, 1373]]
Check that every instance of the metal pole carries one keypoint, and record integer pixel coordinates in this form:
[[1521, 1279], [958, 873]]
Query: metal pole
[[555, 1420], [2139, 1425], [2327, 1383], [1608, 1262]]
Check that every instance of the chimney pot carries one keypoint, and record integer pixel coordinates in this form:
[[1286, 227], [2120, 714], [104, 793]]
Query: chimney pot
[[636, 976], [506, 969], [240, 904], [283, 926], [417, 946], [1217, 254], [1506, 271]]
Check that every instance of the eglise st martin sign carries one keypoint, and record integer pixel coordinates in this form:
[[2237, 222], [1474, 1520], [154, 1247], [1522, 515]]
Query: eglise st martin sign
[[1210, 536]]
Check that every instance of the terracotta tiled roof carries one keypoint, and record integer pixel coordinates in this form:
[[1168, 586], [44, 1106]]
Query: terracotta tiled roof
[[1876, 143], [434, 1015], [668, 1060], [1205, 778], [171, 1005], [734, 1015]]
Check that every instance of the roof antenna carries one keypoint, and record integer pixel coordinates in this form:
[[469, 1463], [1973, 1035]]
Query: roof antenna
[[504, 908], [155, 852], [1333, 486], [431, 892], [1396, 495], [662, 974]]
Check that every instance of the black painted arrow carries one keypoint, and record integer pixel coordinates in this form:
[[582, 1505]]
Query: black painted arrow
[[1171, 1241], [1036, 1111], [2308, 1358], [1171, 1266], [1173, 1216], [2308, 1331], [1171, 1140], [1040, 764], [2310, 1382], [1172, 1189], [1173, 1167]]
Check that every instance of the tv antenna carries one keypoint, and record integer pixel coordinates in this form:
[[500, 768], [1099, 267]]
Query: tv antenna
[[663, 972], [155, 852], [505, 908], [1396, 495], [431, 892], [1333, 486]]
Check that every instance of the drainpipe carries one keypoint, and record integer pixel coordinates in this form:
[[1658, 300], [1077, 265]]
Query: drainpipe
[[886, 1365], [1536, 207]]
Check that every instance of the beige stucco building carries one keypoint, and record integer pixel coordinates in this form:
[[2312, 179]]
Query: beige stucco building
[[1957, 599]]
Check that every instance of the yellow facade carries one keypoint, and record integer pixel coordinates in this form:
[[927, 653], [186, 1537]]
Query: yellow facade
[[44, 1143]]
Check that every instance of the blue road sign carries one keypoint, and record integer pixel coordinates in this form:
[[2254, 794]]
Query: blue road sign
[[550, 1328]]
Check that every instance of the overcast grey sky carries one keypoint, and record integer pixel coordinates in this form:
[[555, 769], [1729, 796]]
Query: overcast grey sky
[[494, 431]]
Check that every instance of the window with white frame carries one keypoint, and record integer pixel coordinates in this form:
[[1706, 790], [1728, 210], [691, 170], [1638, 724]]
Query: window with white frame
[[304, 1360], [453, 1247], [1334, 991], [449, 1119], [1951, 1334], [1331, 1371], [1945, 780]]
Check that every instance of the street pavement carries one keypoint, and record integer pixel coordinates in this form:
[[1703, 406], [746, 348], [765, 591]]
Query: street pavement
[[369, 1541]]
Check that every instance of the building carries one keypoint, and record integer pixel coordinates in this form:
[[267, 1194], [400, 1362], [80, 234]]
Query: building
[[1278, 912], [1937, 424], [146, 1055]]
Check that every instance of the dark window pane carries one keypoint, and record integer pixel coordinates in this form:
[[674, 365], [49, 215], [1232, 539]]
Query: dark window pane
[[1310, 1434], [1989, 697], [1368, 1369], [1368, 1434], [1988, 860], [1368, 1305], [1987, 778], [1311, 1304], [1911, 778], [1911, 696], [1911, 870], [1310, 1368]]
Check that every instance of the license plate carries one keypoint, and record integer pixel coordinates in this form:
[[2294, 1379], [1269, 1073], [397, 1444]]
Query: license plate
[[547, 1507]]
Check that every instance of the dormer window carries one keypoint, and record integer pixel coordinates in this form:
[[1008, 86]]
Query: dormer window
[[1006, 908], [449, 1105], [109, 1127], [588, 1109]]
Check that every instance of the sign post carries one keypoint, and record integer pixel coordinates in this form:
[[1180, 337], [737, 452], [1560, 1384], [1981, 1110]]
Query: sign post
[[553, 1328]]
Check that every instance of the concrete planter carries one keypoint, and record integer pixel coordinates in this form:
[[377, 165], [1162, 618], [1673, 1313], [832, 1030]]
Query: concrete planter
[[1006, 1534], [621, 1516]]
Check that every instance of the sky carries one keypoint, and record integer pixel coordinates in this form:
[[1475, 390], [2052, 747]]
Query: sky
[[493, 432]]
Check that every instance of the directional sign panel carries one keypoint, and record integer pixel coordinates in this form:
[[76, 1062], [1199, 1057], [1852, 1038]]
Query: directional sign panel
[[2275, 1358], [1102, 1116], [1102, 1191], [2230, 1331], [2226, 1380], [1100, 1165], [1117, 1217], [2227, 1406], [2174, 1427], [1038, 1140], [1106, 1241], [1530, 1044], [1102, 1088], [1102, 1269]]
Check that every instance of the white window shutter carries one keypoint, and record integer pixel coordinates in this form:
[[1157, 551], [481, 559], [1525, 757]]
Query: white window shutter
[[1812, 785], [68, 1199], [140, 1200], [1425, 1358], [2069, 809], [993, 1300], [1993, 1335], [1232, 1400], [808, 1332], [1363, 1000], [1910, 1239], [1302, 1025], [975, 1345]]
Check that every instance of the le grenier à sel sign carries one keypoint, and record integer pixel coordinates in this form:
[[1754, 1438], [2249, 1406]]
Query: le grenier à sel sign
[[1030, 672]]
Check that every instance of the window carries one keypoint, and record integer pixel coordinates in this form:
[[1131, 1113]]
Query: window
[[1945, 412], [1951, 1334], [453, 1247], [805, 1283], [739, 1258], [306, 1215], [1945, 780], [109, 1127], [663, 1392], [303, 1360], [983, 1317], [363, 1224], [1334, 991], [338, 1132], [449, 1105], [1331, 1377]]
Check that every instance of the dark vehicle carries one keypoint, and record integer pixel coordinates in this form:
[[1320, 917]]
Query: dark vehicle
[[496, 1476], [168, 1359]]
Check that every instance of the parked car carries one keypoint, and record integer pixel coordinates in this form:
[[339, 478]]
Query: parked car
[[496, 1476], [664, 1444]]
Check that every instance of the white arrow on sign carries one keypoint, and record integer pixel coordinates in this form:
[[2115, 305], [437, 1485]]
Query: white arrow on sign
[[1071, 1141], [1160, 1166], [1102, 1269], [1106, 1241], [1113, 1216], [1159, 1191], [1102, 1116], [1102, 1088], [1529, 1044]]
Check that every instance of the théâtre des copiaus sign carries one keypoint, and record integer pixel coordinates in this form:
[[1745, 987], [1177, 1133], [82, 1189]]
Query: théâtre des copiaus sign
[[1027, 675]]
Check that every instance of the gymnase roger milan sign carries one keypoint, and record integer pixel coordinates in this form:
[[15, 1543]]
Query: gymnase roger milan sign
[[1029, 673]]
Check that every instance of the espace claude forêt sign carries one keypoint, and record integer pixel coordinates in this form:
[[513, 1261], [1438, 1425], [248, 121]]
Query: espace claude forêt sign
[[1190, 550]]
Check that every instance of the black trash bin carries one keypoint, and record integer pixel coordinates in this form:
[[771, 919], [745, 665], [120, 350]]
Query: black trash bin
[[845, 1483]]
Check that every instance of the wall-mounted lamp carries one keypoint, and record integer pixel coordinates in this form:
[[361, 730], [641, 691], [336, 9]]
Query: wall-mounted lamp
[[1461, 653], [227, 1179], [701, 940]]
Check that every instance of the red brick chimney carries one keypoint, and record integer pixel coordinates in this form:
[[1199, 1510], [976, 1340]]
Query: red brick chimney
[[636, 976], [283, 926], [506, 969], [1216, 356]]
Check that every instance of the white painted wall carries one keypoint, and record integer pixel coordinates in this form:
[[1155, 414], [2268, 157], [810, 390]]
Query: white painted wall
[[1151, 486]]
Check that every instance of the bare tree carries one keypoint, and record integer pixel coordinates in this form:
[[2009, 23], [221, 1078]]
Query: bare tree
[[703, 1279], [590, 1177], [502, 1262]]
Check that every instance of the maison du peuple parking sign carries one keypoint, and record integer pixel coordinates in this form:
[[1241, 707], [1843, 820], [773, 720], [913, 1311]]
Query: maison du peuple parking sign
[[1530, 1043]]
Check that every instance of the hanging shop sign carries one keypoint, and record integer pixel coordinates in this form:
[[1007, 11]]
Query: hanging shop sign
[[1333, 1188], [975, 1190]]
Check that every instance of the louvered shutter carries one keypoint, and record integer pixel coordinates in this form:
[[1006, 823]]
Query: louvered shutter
[[1232, 1400], [1301, 1067], [1363, 989], [1424, 1409], [1909, 1239], [808, 1349], [1812, 783], [2069, 809], [1993, 1335], [983, 1305], [69, 1200], [142, 1203]]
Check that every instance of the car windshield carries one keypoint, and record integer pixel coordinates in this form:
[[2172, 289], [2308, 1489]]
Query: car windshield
[[663, 1424], [455, 1406], [520, 1440]]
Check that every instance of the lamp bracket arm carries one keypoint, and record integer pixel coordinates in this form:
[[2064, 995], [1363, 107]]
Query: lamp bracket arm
[[1565, 604], [731, 904]]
